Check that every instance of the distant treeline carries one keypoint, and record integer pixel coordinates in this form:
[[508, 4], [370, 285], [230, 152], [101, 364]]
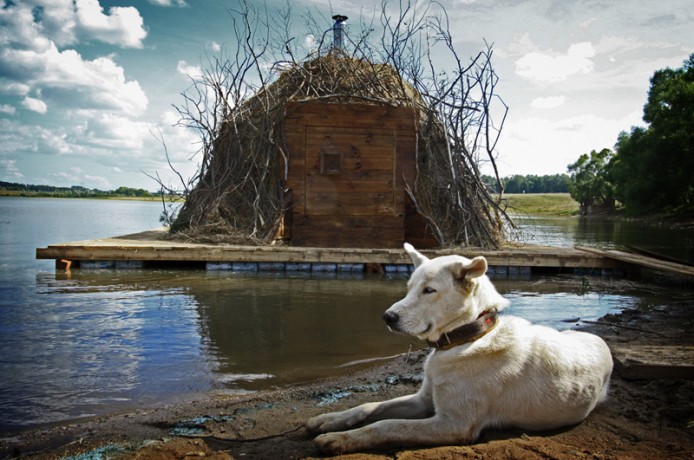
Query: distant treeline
[[76, 191], [556, 183]]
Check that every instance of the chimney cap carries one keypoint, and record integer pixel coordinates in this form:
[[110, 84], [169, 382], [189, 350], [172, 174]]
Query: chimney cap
[[340, 18]]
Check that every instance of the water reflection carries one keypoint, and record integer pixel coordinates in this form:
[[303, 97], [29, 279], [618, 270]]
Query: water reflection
[[82, 347], [608, 233], [102, 340], [296, 329]]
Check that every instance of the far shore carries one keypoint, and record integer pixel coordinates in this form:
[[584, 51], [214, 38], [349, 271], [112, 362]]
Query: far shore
[[11, 193], [541, 204]]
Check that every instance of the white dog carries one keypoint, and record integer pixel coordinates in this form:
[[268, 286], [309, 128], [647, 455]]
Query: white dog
[[485, 371]]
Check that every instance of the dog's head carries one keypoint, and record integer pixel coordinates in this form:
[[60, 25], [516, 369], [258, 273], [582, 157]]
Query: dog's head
[[442, 294]]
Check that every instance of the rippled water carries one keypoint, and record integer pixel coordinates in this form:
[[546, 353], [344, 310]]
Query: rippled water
[[99, 341]]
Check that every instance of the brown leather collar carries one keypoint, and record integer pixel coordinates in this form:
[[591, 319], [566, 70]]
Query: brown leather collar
[[467, 333]]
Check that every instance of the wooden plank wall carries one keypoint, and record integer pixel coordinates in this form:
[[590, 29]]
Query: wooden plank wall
[[347, 167]]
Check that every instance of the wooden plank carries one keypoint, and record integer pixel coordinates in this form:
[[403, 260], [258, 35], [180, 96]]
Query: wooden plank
[[658, 255], [355, 203], [365, 160], [654, 361], [367, 241], [348, 186], [643, 261], [361, 237], [355, 178], [361, 116], [370, 175], [151, 246], [347, 222], [372, 138]]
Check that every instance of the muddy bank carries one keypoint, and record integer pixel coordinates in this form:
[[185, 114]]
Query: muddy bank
[[641, 419]]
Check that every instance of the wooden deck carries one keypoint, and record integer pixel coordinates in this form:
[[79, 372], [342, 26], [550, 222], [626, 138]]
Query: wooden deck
[[153, 246]]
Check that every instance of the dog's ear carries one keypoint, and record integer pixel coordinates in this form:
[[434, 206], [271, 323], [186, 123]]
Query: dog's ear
[[417, 257], [473, 269]]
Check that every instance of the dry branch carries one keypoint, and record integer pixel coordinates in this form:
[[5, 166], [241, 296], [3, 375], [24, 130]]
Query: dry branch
[[239, 193]]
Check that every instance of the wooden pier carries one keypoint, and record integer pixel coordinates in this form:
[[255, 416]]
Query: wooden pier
[[154, 247]]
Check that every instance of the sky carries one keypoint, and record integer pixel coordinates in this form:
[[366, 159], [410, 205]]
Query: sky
[[88, 88]]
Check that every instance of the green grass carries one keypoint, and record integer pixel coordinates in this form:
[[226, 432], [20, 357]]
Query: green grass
[[542, 204]]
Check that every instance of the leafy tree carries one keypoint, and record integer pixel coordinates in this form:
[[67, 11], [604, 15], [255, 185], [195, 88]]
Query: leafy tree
[[531, 183], [653, 167], [589, 181]]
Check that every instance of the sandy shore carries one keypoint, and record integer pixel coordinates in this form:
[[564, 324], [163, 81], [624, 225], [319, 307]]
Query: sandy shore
[[642, 419]]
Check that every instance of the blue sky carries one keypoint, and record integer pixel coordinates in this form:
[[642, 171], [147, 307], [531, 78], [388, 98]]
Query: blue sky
[[86, 84]]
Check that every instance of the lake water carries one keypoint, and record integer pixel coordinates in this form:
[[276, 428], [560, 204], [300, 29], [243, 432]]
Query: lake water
[[100, 341], [609, 233]]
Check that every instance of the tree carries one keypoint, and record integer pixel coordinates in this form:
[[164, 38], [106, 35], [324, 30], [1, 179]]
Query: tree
[[589, 181], [652, 169]]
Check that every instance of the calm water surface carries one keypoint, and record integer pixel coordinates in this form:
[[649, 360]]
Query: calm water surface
[[608, 233], [95, 342]]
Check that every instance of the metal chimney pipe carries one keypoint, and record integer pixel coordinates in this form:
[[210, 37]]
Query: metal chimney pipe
[[337, 31]]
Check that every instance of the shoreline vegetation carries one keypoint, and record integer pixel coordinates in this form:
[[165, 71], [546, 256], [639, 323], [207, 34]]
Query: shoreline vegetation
[[76, 191], [544, 204]]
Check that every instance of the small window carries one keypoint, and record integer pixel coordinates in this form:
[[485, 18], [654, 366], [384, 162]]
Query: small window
[[330, 161]]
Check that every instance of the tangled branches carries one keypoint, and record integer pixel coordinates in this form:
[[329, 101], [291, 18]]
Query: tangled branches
[[239, 191]]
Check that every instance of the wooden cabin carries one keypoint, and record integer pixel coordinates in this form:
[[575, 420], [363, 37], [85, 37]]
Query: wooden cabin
[[347, 169]]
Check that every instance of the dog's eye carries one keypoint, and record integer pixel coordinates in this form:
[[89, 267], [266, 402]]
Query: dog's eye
[[428, 290]]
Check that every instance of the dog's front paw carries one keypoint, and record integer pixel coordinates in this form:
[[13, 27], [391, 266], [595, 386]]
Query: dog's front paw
[[335, 443], [333, 421], [319, 424]]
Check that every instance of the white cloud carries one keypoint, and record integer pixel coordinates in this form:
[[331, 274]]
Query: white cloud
[[35, 105], [36, 23], [168, 2], [110, 131], [8, 109], [99, 182], [545, 67], [9, 170], [585, 24], [97, 83], [181, 142], [189, 70], [17, 139], [549, 102], [541, 146], [30, 60], [15, 89], [216, 47], [310, 42], [122, 26], [66, 178]]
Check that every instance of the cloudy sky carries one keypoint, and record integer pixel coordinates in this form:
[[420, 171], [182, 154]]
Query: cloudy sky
[[87, 86]]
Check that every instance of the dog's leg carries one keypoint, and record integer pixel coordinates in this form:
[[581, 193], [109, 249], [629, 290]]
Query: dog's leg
[[435, 430], [418, 405]]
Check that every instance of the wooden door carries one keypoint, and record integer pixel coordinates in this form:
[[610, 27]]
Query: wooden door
[[347, 169]]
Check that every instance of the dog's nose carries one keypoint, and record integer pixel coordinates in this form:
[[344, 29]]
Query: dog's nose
[[390, 318]]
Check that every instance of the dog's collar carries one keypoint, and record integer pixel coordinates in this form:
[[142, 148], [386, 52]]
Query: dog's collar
[[467, 333]]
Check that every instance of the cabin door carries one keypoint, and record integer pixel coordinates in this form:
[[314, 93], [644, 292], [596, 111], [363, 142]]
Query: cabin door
[[350, 196]]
